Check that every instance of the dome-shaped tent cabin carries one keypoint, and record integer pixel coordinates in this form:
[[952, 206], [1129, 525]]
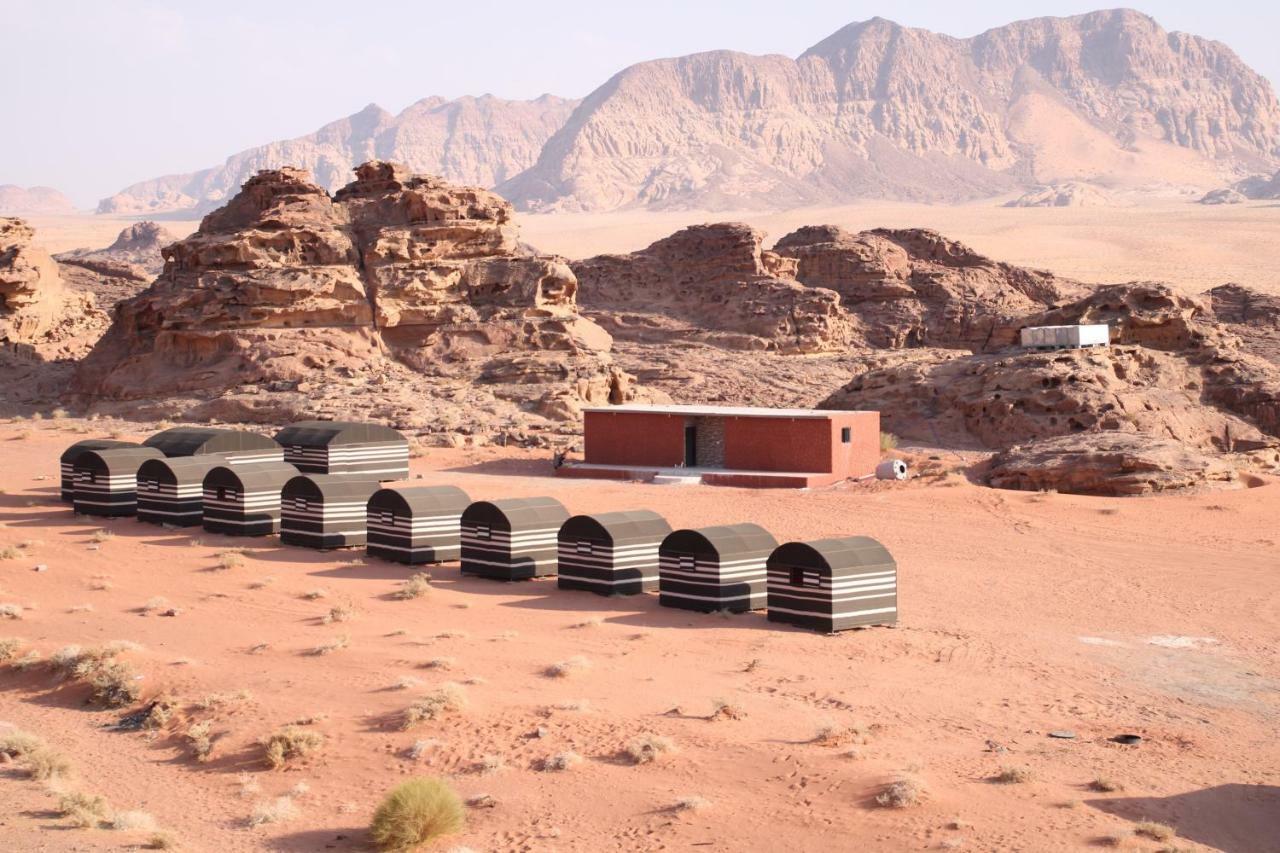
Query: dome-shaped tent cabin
[[107, 480], [324, 510], [511, 539], [367, 451], [833, 584], [171, 491], [611, 553], [244, 500], [66, 462], [715, 568], [236, 446], [416, 524]]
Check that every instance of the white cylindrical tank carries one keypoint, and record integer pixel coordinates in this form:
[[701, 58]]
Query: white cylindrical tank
[[891, 469]]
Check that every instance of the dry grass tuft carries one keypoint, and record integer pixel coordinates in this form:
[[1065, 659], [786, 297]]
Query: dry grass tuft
[[9, 552], [888, 441], [85, 810], [337, 644], [416, 812], [690, 803], [648, 748], [406, 682], [901, 793], [290, 743], [101, 535], [1106, 785], [274, 811], [566, 760], [200, 737], [439, 663], [10, 611], [232, 558], [1013, 775], [154, 604], [1155, 831], [339, 613], [418, 585], [315, 594], [448, 698], [262, 582], [566, 668], [9, 647], [161, 841], [114, 683], [588, 623], [422, 747], [722, 709], [45, 765]]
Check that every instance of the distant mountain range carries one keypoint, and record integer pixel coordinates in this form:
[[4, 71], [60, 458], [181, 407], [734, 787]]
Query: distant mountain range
[[876, 110], [27, 200]]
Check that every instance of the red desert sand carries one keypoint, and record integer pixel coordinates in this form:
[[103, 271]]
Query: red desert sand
[[1021, 614]]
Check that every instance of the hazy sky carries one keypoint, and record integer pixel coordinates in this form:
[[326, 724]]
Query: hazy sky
[[100, 94]]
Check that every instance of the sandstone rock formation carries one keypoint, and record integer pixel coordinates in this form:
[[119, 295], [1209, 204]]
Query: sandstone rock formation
[[914, 287], [401, 282], [16, 200], [1251, 314], [1108, 463], [713, 283], [874, 110], [480, 141], [1225, 195], [135, 254], [35, 306], [1070, 194], [878, 109]]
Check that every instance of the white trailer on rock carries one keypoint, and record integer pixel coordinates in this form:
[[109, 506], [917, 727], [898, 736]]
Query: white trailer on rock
[[1066, 337]]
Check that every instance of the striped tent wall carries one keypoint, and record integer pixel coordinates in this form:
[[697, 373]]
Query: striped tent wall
[[244, 500], [715, 568], [324, 511], [236, 446], [416, 524], [612, 553], [171, 491], [514, 539], [66, 462], [107, 480], [833, 584], [364, 450]]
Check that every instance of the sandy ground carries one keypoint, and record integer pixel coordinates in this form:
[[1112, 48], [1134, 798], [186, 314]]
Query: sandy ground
[[1021, 614], [1172, 239]]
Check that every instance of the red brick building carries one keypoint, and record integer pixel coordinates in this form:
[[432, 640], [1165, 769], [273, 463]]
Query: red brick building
[[732, 446]]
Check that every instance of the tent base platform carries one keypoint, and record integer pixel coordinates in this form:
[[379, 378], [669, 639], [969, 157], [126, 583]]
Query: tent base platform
[[705, 476]]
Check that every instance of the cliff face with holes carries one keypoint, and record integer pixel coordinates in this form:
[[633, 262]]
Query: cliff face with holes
[[397, 275]]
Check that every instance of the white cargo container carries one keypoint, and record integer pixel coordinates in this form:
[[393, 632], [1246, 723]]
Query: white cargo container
[[1066, 337]]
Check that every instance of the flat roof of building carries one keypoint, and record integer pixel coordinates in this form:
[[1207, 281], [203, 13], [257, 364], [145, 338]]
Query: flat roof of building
[[722, 411]]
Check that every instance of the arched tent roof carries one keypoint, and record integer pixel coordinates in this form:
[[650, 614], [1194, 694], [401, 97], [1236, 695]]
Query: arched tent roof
[[833, 555], [728, 541], [191, 441], [325, 433], [117, 461], [258, 475], [617, 528], [180, 469], [518, 513], [329, 487], [73, 452], [421, 500]]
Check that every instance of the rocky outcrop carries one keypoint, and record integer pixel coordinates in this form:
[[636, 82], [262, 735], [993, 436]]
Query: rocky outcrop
[[36, 308], [1070, 194], [1109, 463], [1224, 195], [15, 200], [480, 141], [1251, 314], [914, 287], [882, 110], [135, 254], [398, 278], [714, 284]]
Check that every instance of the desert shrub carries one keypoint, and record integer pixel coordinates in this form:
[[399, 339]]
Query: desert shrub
[[230, 559], [101, 535], [314, 594], [10, 611], [415, 812], [1154, 831], [9, 647], [18, 744], [1013, 775], [442, 663], [566, 760], [690, 803], [200, 736], [418, 585], [114, 683], [290, 743], [9, 552], [84, 810], [339, 613], [133, 821], [566, 668], [275, 811], [722, 709], [1106, 785], [337, 644], [44, 764], [448, 698], [888, 441], [901, 793], [161, 841], [647, 748]]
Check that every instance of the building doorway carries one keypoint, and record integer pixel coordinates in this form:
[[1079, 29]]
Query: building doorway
[[690, 446]]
